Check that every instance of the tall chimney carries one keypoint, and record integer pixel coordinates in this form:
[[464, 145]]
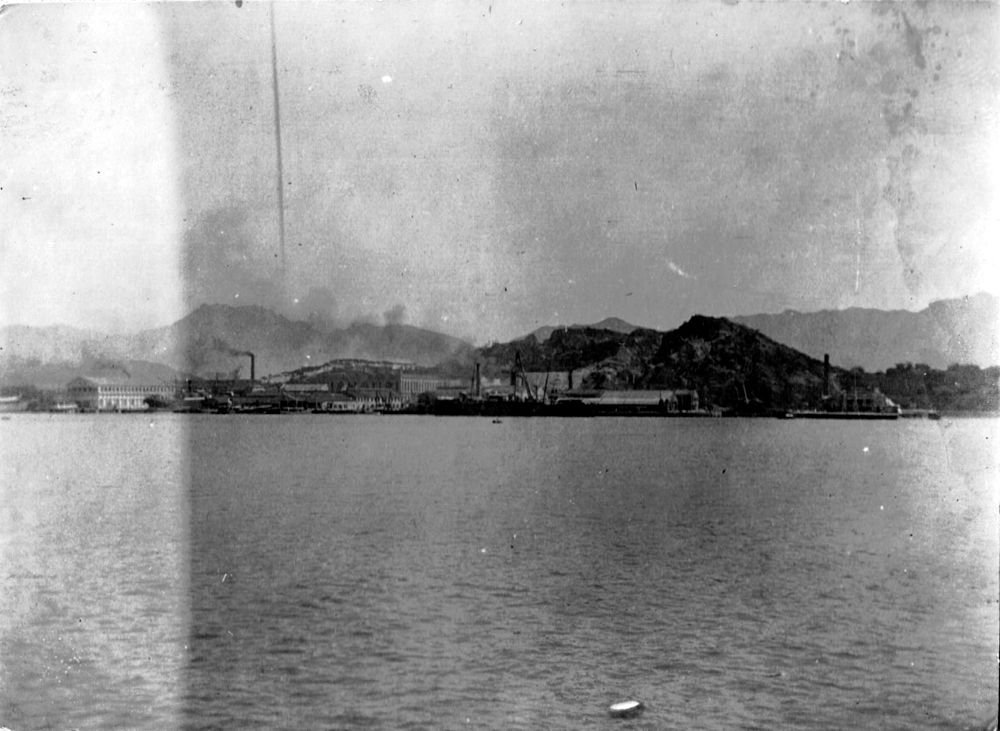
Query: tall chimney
[[826, 375], [569, 379], [253, 372], [479, 382]]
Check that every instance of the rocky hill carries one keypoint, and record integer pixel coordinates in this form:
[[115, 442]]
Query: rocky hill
[[965, 331], [730, 364], [734, 366]]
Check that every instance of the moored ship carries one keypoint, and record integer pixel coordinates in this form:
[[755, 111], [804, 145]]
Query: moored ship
[[11, 404]]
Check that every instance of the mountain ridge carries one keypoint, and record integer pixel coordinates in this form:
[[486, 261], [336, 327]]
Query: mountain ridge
[[614, 324], [216, 339], [964, 330], [961, 330]]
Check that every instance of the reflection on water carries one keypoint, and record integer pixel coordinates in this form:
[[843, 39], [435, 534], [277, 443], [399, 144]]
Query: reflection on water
[[93, 572], [346, 572]]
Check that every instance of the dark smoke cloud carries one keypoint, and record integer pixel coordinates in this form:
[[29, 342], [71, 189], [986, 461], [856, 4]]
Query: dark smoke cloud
[[318, 307], [221, 346], [395, 315]]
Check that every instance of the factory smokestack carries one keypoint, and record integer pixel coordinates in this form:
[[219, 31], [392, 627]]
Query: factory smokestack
[[479, 382]]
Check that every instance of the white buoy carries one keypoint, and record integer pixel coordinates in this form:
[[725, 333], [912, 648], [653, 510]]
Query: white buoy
[[626, 709]]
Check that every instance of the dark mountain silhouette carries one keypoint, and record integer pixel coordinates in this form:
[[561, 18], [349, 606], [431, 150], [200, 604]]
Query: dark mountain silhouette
[[735, 366], [730, 364], [964, 330]]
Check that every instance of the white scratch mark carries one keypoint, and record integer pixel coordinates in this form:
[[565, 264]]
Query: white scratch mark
[[859, 241], [857, 261], [678, 271]]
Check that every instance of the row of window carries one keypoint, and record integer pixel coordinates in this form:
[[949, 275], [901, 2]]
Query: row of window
[[116, 389]]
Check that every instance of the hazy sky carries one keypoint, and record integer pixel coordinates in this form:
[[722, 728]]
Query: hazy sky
[[483, 169]]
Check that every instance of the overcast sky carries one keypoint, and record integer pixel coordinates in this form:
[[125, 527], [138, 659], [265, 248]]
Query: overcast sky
[[483, 169]]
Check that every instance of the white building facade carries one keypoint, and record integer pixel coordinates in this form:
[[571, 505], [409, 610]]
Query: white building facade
[[93, 393]]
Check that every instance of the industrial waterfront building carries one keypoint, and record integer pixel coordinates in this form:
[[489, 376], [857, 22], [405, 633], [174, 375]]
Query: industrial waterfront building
[[411, 385], [98, 393], [669, 401]]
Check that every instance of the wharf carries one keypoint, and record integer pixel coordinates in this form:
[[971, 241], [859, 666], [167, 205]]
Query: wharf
[[534, 408], [858, 415]]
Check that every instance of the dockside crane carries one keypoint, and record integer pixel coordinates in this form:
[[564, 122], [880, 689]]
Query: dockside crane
[[519, 373]]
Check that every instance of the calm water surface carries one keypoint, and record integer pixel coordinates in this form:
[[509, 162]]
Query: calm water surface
[[163, 571]]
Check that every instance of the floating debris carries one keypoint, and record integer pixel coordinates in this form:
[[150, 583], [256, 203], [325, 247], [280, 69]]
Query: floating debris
[[626, 709]]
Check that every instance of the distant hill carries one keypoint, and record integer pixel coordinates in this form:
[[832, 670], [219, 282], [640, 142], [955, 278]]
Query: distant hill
[[56, 374], [964, 330], [614, 324], [730, 364], [216, 339], [56, 343]]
